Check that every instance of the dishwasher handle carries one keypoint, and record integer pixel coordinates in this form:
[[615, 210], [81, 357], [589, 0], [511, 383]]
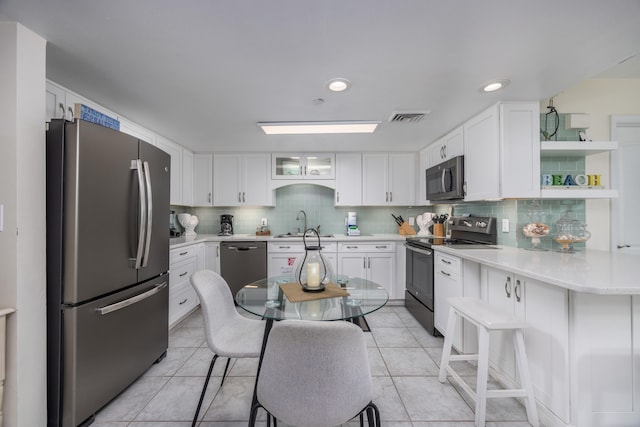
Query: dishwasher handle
[[242, 248]]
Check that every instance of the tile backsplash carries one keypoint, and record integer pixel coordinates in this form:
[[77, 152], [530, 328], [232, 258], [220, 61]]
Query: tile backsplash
[[318, 203]]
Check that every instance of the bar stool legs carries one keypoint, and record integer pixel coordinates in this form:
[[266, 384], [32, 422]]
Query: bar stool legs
[[486, 319]]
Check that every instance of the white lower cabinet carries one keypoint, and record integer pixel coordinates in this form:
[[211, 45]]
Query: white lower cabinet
[[183, 262], [545, 308], [375, 261], [282, 255], [455, 277], [212, 256], [447, 283]]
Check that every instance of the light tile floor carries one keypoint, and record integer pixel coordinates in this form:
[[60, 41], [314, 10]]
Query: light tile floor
[[404, 361]]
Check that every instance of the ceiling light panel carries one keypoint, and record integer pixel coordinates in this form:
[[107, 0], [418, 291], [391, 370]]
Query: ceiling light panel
[[301, 128]]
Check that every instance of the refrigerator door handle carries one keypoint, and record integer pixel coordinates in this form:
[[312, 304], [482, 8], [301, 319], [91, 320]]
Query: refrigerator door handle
[[147, 173], [130, 301], [137, 165]]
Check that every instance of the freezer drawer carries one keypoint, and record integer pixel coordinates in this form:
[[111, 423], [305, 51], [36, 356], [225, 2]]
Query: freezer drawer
[[110, 342]]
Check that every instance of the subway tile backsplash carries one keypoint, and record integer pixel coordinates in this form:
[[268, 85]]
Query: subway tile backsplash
[[318, 203]]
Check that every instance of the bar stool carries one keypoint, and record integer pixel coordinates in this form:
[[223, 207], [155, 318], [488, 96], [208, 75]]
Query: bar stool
[[487, 319]]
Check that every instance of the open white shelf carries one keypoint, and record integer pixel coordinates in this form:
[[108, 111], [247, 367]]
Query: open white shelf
[[578, 194], [575, 148]]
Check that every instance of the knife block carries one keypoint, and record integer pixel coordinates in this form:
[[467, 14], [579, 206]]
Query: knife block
[[438, 230], [406, 230]]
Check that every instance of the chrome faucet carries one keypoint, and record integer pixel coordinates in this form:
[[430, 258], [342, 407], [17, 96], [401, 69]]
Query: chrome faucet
[[305, 219]]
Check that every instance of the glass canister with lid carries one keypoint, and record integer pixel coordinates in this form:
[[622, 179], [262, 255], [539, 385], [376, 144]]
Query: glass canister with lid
[[569, 230]]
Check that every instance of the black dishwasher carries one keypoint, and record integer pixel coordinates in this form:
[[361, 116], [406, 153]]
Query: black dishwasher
[[242, 262]]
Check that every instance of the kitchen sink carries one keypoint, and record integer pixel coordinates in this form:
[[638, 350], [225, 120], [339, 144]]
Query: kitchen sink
[[289, 235]]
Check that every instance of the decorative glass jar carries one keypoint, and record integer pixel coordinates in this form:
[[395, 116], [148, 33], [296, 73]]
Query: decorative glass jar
[[312, 270], [569, 230], [536, 228]]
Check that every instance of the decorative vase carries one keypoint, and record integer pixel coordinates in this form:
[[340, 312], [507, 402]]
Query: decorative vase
[[189, 223]]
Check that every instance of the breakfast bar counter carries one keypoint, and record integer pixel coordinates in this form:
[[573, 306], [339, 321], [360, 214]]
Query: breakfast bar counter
[[583, 339], [590, 271]]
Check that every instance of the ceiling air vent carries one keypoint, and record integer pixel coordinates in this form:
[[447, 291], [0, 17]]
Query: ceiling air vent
[[407, 117]]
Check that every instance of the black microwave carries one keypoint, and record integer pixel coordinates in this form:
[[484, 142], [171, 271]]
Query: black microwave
[[445, 181]]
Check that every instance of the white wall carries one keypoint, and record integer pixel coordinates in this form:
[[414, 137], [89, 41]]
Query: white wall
[[22, 241], [600, 98]]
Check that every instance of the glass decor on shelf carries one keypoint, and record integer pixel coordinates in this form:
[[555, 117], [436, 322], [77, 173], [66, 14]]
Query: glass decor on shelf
[[569, 230], [536, 228]]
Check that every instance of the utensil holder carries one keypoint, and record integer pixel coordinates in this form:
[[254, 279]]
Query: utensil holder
[[438, 230], [406, 230]]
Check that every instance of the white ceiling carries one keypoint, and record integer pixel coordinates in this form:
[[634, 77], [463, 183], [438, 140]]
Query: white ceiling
[[203, 72]]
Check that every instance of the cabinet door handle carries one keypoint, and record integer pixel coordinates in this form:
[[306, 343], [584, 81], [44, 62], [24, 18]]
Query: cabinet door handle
[[337, 197], [284, 247], [386, 196], [61, 106], [209, 197], [364, 262], [183, 274], [217, 251], [390, 196], [381, 246], [352, 247], [446, 261], [516, 291], [183, 301], [445, 273], [369, 262], [70, 112], [243, 198], [507, 287], [184, 253]]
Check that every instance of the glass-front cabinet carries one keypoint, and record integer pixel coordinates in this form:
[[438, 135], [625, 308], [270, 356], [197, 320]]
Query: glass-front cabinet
[[303, 166]]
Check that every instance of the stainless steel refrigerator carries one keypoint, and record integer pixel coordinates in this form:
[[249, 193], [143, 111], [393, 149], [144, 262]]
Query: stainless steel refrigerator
[[107, 265]]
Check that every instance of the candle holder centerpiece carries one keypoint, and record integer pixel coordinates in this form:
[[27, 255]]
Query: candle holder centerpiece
[[312, 270]]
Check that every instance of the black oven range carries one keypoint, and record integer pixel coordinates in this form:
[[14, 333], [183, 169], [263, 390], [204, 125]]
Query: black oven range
[[467, 232]]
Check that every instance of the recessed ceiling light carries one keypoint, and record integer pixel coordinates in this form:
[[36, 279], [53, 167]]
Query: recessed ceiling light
[[297, 128], [338, 85], [495, 85]]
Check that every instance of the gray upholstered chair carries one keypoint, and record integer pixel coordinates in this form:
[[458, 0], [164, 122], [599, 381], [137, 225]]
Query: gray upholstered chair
[[315, 374], [228, 333]]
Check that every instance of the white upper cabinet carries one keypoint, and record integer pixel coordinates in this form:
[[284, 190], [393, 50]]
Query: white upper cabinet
[[60, 103], [137, 131], [202, 179], [450, 145], [388, 179], [56, 104], [303, 166], [502, 152], [348, 179], [187, 177], [242, 179]]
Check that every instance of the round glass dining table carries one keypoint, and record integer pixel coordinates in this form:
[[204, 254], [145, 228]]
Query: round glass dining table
[[266, 299]]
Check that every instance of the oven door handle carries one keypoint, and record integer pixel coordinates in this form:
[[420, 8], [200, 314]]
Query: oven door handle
[[420, 251]]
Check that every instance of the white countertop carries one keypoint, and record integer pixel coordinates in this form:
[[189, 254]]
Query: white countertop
[[591, 271], [178, 242]]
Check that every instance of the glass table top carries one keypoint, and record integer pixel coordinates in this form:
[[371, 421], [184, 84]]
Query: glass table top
[[265, 298]]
